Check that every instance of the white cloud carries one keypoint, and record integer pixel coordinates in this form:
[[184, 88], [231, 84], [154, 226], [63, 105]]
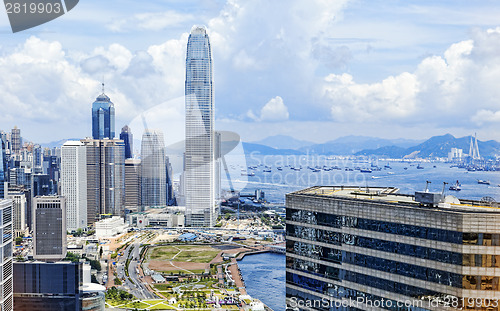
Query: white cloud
[[486, 116], [459, 88], [273, 110]]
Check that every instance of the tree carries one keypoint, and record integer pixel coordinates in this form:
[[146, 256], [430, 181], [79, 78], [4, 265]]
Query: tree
[[19, 240]]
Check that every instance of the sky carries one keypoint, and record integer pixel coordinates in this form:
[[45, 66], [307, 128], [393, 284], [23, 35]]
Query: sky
[[315, 70]]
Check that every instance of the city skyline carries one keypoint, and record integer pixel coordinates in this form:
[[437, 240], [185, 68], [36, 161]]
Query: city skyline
[[343, 73]]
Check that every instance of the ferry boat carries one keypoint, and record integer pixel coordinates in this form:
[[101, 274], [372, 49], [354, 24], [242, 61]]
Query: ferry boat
[[483, 182], [456, 186], [365, 170]]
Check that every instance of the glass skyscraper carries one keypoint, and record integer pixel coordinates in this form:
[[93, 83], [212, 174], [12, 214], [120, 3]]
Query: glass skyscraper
[[127, 137], [154, 181], [103, 118], [351, 248], [199, 157]]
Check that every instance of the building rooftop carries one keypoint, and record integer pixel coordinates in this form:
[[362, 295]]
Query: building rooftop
[[392, 195]]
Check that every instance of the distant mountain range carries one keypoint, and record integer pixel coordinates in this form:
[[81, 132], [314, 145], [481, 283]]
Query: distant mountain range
[[437, 146]]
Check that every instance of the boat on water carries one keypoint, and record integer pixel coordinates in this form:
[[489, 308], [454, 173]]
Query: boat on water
[[405, 168], [365, 170], [420, 167], [267, 170], [483, 182], [456, 187]]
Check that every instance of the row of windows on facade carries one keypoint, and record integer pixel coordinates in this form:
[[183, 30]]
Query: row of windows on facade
[[435, 234]]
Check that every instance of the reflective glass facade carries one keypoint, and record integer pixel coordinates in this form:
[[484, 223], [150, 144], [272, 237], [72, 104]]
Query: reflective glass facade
[[386, 247], [199, 157], [103, 118]]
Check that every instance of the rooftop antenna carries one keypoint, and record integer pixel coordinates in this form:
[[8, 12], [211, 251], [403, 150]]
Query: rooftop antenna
[[444, 186], [102, 87], [427, 186]]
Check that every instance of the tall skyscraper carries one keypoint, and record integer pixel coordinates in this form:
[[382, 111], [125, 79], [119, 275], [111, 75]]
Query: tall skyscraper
[[128, 139], [3, 167], [103, 117], [376, 249], [49, 228], [6, 298], [74, 183], [153, 172], [133, 184], [199, 157], [16, 140], [105, 177]]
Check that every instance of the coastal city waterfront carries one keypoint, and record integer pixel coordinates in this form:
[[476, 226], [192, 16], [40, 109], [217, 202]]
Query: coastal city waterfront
[[236, 155]]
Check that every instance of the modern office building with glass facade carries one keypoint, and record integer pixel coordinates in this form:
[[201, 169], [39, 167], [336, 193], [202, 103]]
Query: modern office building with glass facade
[[153, 169], [103, 117], [351, 248], [199, 187]]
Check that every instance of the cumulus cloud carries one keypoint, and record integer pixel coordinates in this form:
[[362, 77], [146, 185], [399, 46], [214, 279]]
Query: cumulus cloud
[[273, 110], [459, 88]]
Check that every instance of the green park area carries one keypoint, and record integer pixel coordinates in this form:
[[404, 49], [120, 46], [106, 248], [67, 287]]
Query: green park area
[[184, 253]]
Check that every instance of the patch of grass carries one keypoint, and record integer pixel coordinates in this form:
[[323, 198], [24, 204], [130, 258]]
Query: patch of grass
[[190, 253]]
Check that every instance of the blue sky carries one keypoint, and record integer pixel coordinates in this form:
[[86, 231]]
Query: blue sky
[[315, 70]]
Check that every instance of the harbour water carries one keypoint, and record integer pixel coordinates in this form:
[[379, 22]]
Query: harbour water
[[264, 276], [403, 175]]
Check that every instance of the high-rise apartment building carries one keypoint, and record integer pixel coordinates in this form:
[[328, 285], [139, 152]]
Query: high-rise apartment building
[[133, 184], [6, 298], [153, 169], [128, 139], [16, 140], [103, 117], [49, 228], [74, 183], [351, 248], [201, 209], [105, 177]]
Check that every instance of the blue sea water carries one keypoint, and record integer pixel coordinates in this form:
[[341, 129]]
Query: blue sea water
[[277, 183], [264, 276]]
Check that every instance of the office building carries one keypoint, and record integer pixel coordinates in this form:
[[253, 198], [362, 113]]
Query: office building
[[74, 184], [47, 286], [16, 140], [19, 211], [201, 209], [109, 227], [6, 298], [3, 168], [170, 183], [103, 117], [49, 228], [128, 139], [379, 249], [153, 169], [105, 178], [132, 184]]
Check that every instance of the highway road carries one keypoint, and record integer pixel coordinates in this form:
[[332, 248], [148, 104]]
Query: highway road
[[132, 284]]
